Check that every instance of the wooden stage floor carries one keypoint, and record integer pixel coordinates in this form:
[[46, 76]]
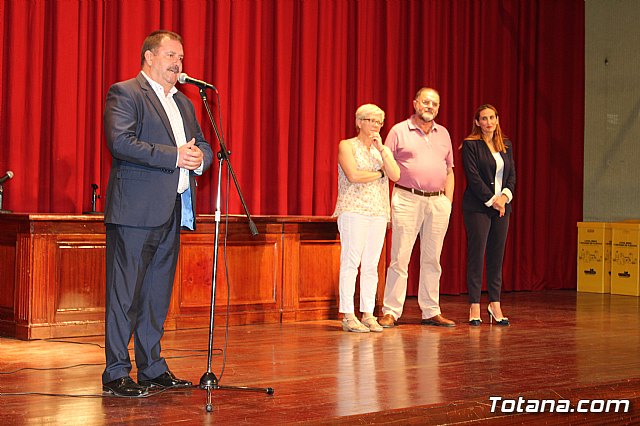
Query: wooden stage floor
[[562, 345]]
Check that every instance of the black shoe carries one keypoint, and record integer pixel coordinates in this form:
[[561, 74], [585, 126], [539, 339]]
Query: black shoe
[[504, 321], [167, 380], [475, 322], [126, 387]]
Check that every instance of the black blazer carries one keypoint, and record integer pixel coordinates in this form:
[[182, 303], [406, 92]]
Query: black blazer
[[480, 170], [143, 183]]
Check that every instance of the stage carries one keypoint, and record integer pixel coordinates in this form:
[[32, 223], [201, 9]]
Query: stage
[[562, 345]]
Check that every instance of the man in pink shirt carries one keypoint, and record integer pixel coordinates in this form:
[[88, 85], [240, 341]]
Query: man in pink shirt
[[420, 205]]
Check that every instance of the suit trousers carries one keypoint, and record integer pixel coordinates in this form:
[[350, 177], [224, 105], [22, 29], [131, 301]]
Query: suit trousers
[[485, 234], [361, 241], [141, 265], [413, 215]]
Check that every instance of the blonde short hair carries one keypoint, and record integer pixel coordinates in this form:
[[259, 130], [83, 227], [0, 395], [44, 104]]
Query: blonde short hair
[[366, 111]]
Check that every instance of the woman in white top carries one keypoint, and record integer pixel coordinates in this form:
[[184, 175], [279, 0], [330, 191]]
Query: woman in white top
[[365, 166], [486, 205]]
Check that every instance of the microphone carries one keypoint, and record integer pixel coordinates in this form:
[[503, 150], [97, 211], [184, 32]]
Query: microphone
[[185, 79], [6, 177]]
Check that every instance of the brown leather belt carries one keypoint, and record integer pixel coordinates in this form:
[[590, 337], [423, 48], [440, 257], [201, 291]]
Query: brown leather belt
[[419, 192]]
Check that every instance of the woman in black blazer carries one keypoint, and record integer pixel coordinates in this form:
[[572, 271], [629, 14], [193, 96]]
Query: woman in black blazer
[[491, 177]]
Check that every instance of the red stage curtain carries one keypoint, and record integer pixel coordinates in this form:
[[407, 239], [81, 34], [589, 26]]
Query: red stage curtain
[[291, 75]]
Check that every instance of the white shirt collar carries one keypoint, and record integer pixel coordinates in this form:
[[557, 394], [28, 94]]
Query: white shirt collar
[[157, 87]]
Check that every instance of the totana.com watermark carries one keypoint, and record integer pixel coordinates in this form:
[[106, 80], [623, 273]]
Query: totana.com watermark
[[522, 405]]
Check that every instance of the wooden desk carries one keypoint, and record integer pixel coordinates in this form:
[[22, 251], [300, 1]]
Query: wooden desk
[[52, 273]]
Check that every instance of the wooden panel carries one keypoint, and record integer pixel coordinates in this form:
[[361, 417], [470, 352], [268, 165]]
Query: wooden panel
[[252, 273], [7, 274], [319, 271], [318, 294], [23, 279], [255, 279], [194, 279], [7, 278], [291, 275], [81, 276], [40, 294]]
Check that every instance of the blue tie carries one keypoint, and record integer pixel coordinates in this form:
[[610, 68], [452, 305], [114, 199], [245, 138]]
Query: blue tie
[[187, 210]]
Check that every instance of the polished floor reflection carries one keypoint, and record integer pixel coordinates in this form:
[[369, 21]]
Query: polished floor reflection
[[562, 345]]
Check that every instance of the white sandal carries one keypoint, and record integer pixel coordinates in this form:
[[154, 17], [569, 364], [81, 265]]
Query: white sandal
[[352, 324], [372, 324]]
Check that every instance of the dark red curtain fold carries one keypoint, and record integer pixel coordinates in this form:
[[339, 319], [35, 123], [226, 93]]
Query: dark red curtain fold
[[290, 75]]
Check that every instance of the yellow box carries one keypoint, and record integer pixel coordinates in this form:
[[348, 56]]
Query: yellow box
[[594, 257], [624, 258]]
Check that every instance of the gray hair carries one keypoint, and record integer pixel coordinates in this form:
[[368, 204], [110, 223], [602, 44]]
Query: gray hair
[[367, 110]]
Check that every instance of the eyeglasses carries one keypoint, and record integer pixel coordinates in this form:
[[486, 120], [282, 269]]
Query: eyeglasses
[[374, 121], [428, 102]]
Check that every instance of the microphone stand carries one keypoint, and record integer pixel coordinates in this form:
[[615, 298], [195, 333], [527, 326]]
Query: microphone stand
[[94, 199], [209, 381], [1, 194]]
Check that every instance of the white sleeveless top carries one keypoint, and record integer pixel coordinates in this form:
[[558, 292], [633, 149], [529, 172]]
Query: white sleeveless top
[[369, 199]]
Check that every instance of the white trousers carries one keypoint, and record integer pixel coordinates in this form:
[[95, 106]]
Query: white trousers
[[361, 240], [413, 215]]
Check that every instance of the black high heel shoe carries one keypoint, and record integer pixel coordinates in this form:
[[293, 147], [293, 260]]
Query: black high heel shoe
[[504, 321], [475, 322]]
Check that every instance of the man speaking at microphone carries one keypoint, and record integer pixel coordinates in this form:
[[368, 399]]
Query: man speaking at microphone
[[157, 149]]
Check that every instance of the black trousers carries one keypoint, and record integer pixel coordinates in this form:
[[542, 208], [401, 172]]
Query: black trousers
[[486, 235], [141, 266]]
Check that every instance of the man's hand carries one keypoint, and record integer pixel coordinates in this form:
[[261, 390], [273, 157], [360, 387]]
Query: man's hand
[[189, 156]]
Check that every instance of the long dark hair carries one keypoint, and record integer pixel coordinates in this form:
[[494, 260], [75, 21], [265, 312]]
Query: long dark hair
[[476, 131]]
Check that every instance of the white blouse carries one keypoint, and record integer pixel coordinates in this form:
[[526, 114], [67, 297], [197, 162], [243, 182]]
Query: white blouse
[[370, 198]]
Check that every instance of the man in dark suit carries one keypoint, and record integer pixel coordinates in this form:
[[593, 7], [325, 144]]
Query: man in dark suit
[[158, 148]]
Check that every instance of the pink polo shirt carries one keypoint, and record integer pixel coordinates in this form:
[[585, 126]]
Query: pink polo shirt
[[423, 158]]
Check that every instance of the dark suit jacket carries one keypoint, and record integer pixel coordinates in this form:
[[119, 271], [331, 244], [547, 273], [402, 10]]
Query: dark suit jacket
[[144, 177], [480, 170]]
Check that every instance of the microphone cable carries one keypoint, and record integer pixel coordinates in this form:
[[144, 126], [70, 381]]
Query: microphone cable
[[224, 246], [156, 391]]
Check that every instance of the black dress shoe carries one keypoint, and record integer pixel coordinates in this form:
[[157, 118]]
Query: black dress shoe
[[167, 380], [504, 321], [126, 387]]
